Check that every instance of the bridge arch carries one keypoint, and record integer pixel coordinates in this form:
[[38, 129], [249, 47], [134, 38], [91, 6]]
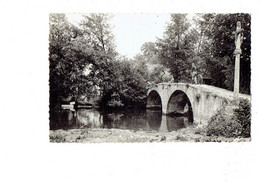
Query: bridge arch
[[180, 103], [154, 100], [204, 100]]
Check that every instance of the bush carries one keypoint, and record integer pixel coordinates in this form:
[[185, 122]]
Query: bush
[[224, 124], [243, 117]]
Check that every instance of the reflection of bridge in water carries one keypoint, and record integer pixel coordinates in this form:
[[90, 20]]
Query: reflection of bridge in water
[[149, 120], [159, 122], [200, 101]]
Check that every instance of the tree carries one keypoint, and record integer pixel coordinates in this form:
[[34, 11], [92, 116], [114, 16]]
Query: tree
[[225, 44], [72, 50], [60, 36], [97, 31], [218, 30], [149, 51], [129, 83], [174, 48]]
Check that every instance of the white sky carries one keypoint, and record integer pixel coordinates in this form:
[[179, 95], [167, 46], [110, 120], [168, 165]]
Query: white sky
[[25, 23], [133, 30]]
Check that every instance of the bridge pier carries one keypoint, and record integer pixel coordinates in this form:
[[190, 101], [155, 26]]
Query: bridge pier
[[163, 126], [164, 94]]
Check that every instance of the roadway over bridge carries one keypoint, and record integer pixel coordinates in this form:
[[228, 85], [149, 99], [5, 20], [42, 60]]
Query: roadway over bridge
[[201, 101]]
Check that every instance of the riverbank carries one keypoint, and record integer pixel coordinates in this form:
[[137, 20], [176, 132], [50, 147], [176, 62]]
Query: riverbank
[[99, 135]]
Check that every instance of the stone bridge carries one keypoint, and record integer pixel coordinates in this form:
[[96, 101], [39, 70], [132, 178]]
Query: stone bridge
[[199, 101]]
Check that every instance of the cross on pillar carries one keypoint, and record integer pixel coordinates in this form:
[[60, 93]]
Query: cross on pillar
[[238, 41]]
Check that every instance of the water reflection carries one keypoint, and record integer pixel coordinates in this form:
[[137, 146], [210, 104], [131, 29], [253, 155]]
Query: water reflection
[[162, 123], [154, 118], [147, 120], [89, 118]]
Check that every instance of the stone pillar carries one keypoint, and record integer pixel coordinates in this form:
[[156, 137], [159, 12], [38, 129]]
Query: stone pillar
[[164, 98], [238, 41], [163, 126], [236, 79], [164, 109]]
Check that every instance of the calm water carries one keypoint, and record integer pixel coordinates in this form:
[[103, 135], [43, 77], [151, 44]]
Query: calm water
[[147, 120]]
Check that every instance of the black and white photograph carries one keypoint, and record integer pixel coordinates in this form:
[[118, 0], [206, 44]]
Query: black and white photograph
[[150, 77], [129, 90]]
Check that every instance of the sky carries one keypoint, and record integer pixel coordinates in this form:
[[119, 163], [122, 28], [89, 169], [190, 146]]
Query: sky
[[131, 31]]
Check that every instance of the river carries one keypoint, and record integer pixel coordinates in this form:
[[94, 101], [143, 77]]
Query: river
[[146, 120]]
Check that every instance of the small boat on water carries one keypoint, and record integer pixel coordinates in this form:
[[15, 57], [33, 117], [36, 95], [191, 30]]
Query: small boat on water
[[70, 106], [77, 105], [83, 105], [80, 103], [66, 106]]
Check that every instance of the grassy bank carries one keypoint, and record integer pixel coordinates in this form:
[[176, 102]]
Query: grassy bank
[[190, 134]]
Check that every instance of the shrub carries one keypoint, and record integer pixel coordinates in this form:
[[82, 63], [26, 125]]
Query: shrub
[[222, 124], [238, 124], [243, 117]]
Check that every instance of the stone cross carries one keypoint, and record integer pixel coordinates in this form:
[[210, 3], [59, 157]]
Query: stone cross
[[238, 38], [238, 41]]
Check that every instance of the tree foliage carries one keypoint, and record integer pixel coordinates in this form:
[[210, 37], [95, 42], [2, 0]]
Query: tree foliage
[[218, 30], [206, 48], [75, 50], [174, 47], [83, 60]]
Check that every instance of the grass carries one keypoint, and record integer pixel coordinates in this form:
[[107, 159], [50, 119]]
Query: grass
[[57, 138]]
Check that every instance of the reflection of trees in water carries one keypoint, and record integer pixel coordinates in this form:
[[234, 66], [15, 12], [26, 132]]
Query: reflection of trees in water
[[89, 118], [116, 120], [119, 120], [175, 123], [115, 117], [125, 120], [136, 120], [154, 119], [71, 117], [130, 119], [62, 119]]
